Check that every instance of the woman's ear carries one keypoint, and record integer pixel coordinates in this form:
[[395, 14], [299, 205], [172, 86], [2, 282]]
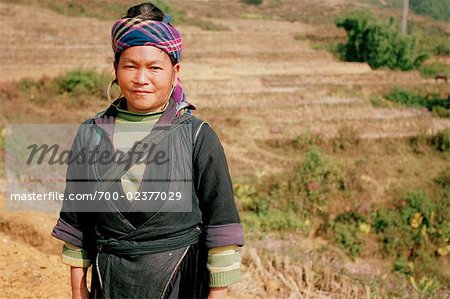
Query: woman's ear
[[176, 69], [115, 69]]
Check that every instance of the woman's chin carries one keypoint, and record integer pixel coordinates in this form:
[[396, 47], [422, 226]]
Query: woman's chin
[[143, 106]]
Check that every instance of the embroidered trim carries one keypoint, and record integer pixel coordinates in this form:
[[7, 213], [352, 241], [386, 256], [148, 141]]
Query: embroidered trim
[[98, 272], [173, 272], [198, 131]]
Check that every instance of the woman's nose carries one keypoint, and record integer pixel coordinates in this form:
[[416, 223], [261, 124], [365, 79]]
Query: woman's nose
[[141, 77]]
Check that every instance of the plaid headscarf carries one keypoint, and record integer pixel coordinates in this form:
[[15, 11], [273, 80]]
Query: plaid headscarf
[[130, 32]]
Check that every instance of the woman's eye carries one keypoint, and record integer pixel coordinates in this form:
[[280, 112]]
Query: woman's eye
[[156, 68], [129, 66]]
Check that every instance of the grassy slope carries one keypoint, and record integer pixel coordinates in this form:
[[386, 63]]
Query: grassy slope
[[385, 164]]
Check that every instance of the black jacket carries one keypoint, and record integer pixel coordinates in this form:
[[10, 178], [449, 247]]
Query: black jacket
[[133, 239]]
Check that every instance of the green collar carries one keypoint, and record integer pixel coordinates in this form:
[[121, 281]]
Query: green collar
[[136, 116]]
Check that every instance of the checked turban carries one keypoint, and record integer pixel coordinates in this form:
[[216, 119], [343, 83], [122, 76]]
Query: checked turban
[[130, 32]]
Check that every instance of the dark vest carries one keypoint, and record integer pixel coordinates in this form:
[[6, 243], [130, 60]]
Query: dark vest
[[142, 247]]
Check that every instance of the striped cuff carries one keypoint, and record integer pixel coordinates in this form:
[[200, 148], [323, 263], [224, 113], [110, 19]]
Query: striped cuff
[[224, 265], [75, 256]]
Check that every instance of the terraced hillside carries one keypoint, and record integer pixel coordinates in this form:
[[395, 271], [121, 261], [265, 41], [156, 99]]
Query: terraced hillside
[[256, 77], [254, 83]]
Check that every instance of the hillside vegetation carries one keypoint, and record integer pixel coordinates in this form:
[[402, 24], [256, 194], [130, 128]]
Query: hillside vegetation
[[340, 171]]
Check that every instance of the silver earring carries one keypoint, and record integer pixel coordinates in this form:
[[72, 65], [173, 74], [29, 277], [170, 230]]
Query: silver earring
[[108, 90]]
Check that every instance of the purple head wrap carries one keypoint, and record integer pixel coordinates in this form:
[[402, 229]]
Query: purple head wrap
[[130, 32]]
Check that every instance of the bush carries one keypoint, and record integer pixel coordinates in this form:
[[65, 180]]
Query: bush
[[347, 229], [81, 82], [442, 48], [315, 179], [253, 2], [347, 138], [443, 179], [413, 99], [304, 192], [378, 42], [442, 140], [431, 69], [438, 9], [105, 10], [37, 90], [273, 220], [250, 199], [403, 265], [74, 87], [415, 228], [441, 112], [406, 97], [286, 204]]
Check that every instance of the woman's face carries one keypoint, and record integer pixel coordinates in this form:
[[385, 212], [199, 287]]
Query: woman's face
[[146, 75]]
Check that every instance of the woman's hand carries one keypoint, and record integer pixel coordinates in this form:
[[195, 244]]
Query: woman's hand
[[218, 293], [78, 282], [80, 294]]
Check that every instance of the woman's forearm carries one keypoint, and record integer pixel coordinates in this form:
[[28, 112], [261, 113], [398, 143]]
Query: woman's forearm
[[218, 293], [78, 282]]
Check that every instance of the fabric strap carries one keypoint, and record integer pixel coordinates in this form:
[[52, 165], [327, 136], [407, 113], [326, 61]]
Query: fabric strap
[[132, 248]]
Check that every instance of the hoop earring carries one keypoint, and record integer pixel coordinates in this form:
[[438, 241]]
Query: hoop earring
[[168, 98], [108, 90]]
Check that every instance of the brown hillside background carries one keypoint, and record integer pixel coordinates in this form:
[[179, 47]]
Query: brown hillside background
[[256, 84]]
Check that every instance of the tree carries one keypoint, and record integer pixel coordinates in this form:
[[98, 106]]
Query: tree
[[378, 42]]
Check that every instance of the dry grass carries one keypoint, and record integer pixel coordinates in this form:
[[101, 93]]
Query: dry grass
[[271, 275]]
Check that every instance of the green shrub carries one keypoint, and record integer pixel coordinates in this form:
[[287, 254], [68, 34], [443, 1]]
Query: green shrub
[[106, 10], [250, 199], [443, 179], [416, 202], [347, 138], [431, 69], [425, 286], [441, 112], [36, 90], [315, 179], [442, 140], [285, 204], [414, 99], [81, 82], [438, 9], [379, 101], [415, 229], [442, 48], [347, 231], [406, 97], [419, 143], [253, 2], [306, 141], [383, 219], [378, 42], [74, 84], [273, 220], [306, 191], [403, 265]]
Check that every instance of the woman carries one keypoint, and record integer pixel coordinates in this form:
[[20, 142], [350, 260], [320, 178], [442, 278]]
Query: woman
[[142, 251]]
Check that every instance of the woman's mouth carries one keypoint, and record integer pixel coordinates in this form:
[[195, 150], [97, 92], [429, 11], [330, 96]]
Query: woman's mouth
[[142, 92]]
